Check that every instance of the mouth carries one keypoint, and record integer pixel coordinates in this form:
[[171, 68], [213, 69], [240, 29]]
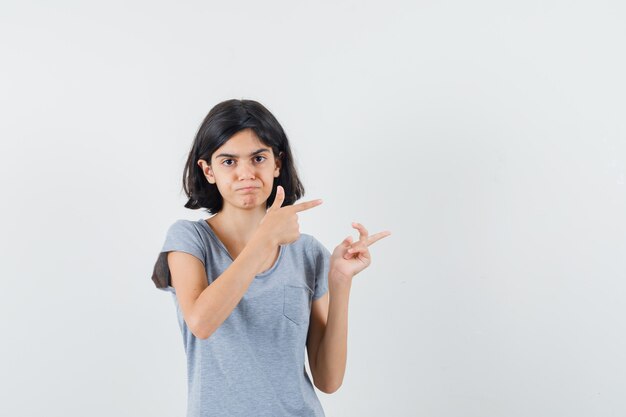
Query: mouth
[[248, 189]]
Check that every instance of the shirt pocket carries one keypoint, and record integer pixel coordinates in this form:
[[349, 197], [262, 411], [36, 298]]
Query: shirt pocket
[[297, 303]]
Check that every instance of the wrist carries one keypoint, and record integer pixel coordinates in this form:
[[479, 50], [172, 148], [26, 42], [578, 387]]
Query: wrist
[[261, 250], [339, 278], [263, 242]]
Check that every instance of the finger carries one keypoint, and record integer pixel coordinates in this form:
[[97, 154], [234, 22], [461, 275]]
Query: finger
[[375, 238], [278, 199], [362, 230], [358, 251], [357, 247], [306, 205]]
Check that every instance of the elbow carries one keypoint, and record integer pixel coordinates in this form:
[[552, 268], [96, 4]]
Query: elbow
[[199, 331], [200, 335], [328, 388]]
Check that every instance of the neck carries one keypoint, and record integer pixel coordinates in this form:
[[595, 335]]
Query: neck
[[238, 224]]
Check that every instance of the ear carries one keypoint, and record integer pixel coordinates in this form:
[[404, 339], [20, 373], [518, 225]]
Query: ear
[[207, 171], [279, 161]]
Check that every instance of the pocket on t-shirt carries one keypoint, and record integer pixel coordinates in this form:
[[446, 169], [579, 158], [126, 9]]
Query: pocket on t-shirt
[[297, 303]]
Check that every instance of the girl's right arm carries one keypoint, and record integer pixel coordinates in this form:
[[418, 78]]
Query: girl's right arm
[[205, 307]]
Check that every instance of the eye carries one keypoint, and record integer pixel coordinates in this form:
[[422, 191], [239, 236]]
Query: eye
[[259, 158], [228, 162]]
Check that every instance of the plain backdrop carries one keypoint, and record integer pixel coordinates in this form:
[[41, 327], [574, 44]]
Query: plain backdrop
[[488, 136]]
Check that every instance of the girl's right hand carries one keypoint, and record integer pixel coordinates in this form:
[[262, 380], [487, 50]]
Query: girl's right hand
[[280, 224]]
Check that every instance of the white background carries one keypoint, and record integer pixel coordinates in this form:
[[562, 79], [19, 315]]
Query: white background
[[488, 136]]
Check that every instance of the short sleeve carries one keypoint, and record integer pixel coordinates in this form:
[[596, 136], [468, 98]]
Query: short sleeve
[[322, 262], [182, 236]]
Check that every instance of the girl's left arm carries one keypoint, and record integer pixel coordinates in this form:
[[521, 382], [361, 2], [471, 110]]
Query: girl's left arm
[[327, 341]]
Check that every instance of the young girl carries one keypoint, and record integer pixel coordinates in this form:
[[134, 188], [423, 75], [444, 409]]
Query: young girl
[[250, 290]]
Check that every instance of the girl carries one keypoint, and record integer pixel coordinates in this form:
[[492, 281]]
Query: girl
[[250, 290]]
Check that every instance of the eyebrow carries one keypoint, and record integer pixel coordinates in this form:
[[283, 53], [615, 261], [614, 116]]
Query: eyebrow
[[232, 155]]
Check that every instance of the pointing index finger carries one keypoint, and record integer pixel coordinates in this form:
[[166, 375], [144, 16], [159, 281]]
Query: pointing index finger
[[374, 238], [307, 205]]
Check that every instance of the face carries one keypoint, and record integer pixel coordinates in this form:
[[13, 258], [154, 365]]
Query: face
[[243, 169]]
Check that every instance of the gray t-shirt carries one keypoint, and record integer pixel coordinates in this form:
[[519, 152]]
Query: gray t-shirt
[[253, 364]]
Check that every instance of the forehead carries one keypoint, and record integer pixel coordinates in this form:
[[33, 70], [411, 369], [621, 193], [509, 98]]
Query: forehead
[[241, 143]]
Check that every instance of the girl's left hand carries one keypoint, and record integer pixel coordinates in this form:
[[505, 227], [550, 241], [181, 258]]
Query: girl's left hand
[[348, 259]]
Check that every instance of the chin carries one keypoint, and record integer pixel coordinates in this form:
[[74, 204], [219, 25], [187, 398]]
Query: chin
[[252, 203]]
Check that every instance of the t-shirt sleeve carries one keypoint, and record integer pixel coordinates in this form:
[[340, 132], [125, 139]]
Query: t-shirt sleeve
[[182, 236], [322, 263]]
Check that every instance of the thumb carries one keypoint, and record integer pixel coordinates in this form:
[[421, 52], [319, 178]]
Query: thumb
[[346, 244], [278, 199]]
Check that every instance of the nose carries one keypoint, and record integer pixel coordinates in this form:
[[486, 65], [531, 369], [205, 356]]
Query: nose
[[245, 172]]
